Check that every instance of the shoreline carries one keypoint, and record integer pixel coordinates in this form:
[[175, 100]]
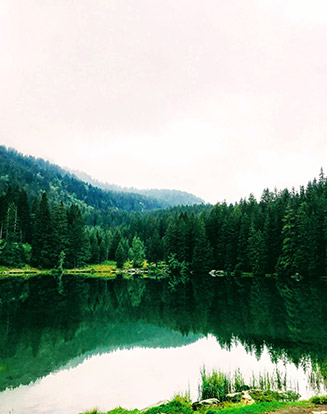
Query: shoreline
[[182, 405]]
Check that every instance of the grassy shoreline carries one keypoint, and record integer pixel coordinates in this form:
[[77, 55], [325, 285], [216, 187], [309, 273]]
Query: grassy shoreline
[[107, 269], [182, 405]]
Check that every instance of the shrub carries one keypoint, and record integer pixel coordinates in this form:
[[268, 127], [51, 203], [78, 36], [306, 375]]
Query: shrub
[[319, 399], [178, 405]]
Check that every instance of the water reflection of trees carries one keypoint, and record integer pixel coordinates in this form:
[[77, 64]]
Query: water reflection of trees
[[45, 323]]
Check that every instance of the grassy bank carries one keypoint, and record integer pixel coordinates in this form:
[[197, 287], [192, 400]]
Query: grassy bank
[[182, 405], [106, 269]]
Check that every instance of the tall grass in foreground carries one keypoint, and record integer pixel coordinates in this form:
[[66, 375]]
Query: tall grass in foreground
[[218, 384]]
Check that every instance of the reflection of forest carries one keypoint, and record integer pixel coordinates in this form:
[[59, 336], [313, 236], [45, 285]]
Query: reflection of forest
[[46, 323]]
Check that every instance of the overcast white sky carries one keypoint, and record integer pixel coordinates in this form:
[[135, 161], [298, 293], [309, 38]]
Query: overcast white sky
[[216, 97]]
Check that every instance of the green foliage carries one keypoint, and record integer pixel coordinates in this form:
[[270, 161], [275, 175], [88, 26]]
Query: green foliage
[[120, 410], [178, 405], [78, 251], [256, 251], [319, 399], [12, 227], [215, 385], [137, 252], [121, 254], [12, 254], [155, 248], [43, 242], [178, 271], [261, 408]]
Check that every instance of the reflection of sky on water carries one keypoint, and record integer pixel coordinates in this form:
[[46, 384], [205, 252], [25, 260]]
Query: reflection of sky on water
[[137, 377]]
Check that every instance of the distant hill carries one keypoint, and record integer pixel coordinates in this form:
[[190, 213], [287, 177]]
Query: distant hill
[[169, 198], [37, 175]]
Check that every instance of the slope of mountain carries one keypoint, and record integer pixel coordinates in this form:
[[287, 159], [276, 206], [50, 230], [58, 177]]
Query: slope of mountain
[[37, 175], [170, 198]]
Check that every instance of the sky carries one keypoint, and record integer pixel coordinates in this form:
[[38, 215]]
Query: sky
[[220, 98]]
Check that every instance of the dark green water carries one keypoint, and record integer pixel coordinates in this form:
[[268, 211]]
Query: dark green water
[[48, 325]]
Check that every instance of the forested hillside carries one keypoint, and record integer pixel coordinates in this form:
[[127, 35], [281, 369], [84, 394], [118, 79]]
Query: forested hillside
[[37, 175], [284, 233]]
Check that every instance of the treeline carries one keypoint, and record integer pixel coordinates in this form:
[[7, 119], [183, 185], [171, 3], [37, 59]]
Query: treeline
[[50, 235], [284, 233]]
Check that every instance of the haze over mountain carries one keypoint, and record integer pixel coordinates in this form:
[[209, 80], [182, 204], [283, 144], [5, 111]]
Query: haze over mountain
[[171, 197]]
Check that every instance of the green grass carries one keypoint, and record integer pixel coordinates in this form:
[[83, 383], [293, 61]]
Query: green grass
[[120, 410], [180, 405], [264, 407], [177, 405], [108, 264], [216, 385], [105, 269]]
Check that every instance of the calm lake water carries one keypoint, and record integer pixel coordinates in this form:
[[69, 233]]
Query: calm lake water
[[78, 343]]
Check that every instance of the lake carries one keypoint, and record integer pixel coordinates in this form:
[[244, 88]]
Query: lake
[[75, 343]]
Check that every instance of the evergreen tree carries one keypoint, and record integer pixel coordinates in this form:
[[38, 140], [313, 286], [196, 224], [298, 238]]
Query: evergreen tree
[[121, 254], [11, 251], [43, 236], [272, 235], [302, 253], [286, 265], [60, 231], [256, 251], [24, 214], [115, 240], [137, 252], [202, 261], [243, 264], [155, 248], [12, 227], [175, 237], [103, 250], [232, 232], [94, 248], [78, 251]]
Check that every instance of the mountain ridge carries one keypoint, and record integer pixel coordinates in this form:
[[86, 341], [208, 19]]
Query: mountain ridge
[[171, 196], [38, 175]]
